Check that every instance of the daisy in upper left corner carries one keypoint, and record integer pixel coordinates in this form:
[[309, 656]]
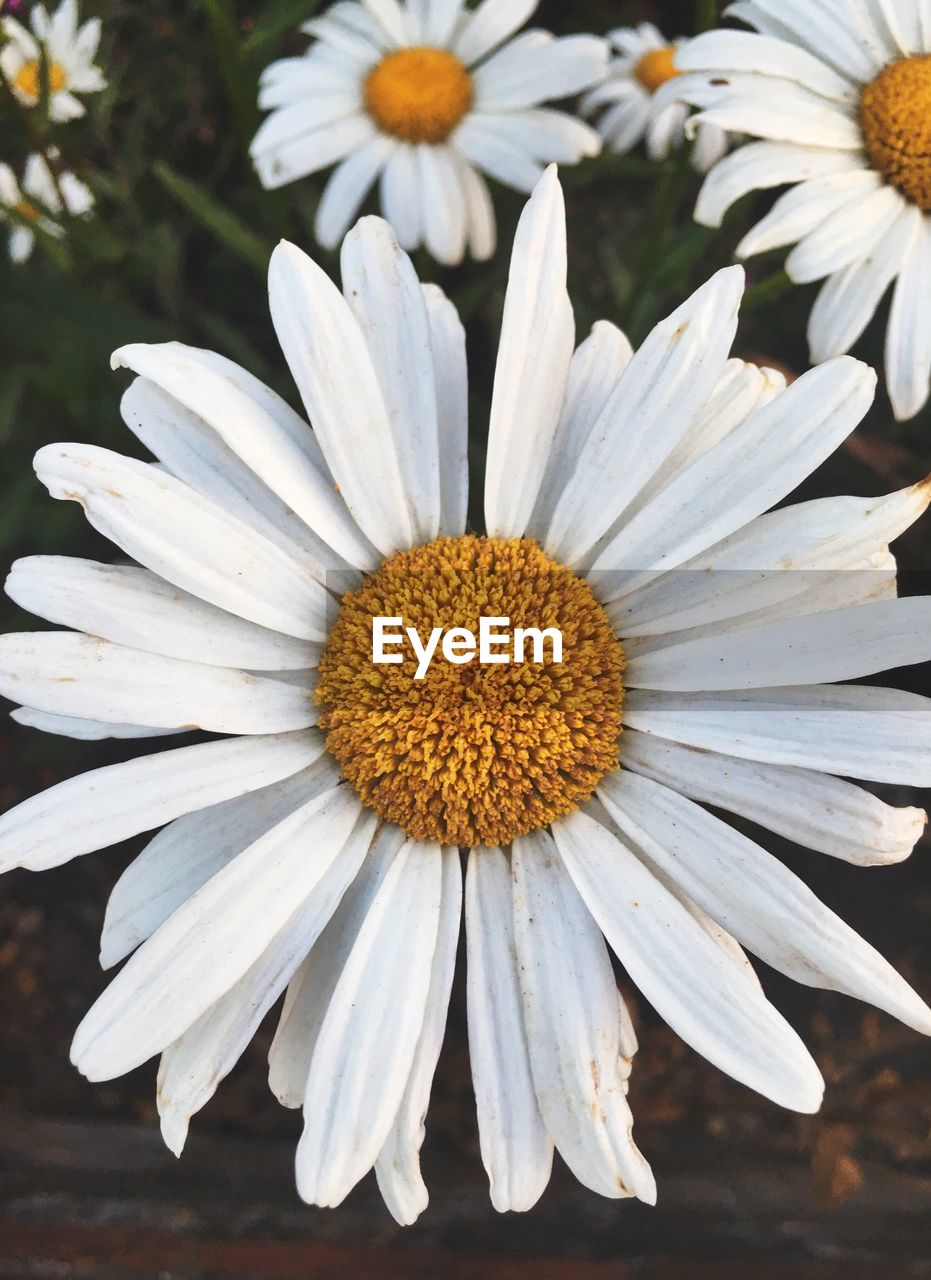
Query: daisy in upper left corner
[[70, 50], [427, 97]]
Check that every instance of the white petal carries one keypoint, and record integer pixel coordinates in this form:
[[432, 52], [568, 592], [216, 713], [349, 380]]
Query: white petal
[[660, 395], [489, 25], [514, 79], [393, 20], [756, 898], [721, 51], [769, 561], [133, 607], [849, 298], [289, 124], [749, 471], [573, 1033], [398, 1165], [444, 208], [805, 207], [516, 1150], [330, 362], [261, 430], [843, 644], [762, 165], [193, 1066], [315, 150], [694, 985], [185, 538], [593, 374], [831, 31], [534, 353], [365, 1049], [495, 155], [348, 186], [384, 294], [813, 809], [845, 236], [311, 989], [447, 338], [107, 805], [769, 108], [440, 20], [547, 136], [69, 674], [399, 196], [82, 729], [880, 735], [211, 941], [480, 213], [187, 853], [908, 338]]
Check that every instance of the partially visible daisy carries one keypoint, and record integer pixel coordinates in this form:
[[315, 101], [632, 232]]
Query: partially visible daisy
[[426, 98], [36, 202], [840, 94], [646, 62], [70, 51], [313, 845]]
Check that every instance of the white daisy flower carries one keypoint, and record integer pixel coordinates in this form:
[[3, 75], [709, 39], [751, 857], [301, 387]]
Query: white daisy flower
[[646, 61], [425, 96], [325, 860], [36, 201], [840, 94], [70, 51]]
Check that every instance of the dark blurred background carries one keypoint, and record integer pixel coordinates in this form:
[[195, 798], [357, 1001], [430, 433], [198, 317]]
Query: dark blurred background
[[747, 1192]]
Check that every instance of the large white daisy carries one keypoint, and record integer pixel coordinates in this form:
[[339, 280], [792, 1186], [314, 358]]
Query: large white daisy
[[426, 96], [840, 94], [625, 503], [70, 51], [630, 111], [36, 203]]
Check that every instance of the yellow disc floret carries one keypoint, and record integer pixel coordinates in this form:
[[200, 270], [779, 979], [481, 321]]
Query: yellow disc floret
[[895, 117], [656, 67], [418, 94], [29, 79], [473, 754]]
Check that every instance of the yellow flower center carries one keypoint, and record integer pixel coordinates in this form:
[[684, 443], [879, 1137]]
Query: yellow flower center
[[29, 79], [473, 753], [418, 94], [656, 67], [895, 117]]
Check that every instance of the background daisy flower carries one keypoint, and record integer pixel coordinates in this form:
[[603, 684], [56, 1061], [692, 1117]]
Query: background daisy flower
[[37, 201], [425, 99], [70, 50], [313, 846], [646, 61], [840, 94]]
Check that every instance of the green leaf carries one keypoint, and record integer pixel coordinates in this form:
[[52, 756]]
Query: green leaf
[[215, 217], [275, 25]]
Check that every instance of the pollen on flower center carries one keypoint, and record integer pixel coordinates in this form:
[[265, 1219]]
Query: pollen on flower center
[[419, 94], [656, 67], [895, 118], [473, 754], [29, 79]]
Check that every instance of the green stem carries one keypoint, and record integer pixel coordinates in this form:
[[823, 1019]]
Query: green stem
[[706, 15], [769, 290]]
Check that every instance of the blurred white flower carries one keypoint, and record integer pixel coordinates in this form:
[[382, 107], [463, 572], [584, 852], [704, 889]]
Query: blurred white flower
[[646, 62], [427, 98], [839, 92], [36, 201], [69, 50]]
